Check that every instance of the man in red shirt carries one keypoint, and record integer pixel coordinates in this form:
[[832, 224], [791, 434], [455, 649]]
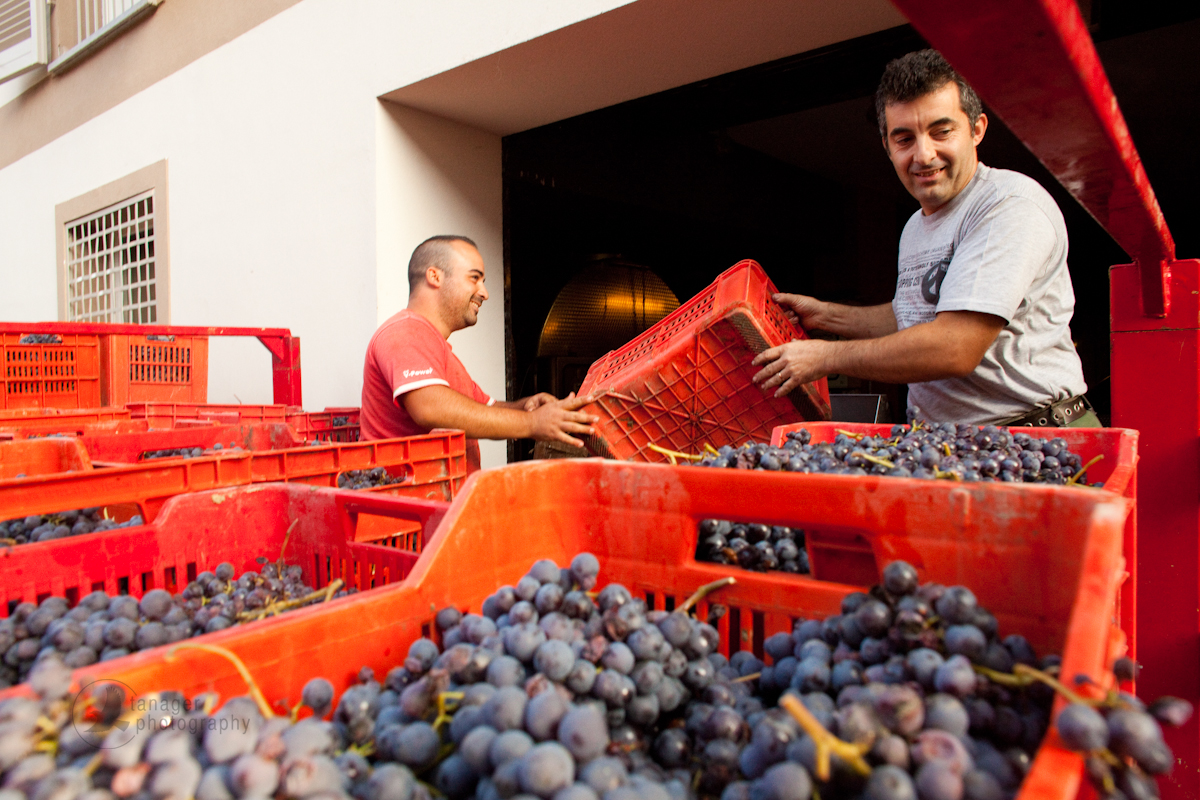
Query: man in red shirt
[[413, 382]]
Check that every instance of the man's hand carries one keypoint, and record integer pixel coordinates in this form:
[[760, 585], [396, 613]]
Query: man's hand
[[556, 420], [791, 365], [536, 401], [800, 309]]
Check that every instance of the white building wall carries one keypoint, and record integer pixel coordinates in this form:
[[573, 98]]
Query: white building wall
[[438, 176], [293, 195]]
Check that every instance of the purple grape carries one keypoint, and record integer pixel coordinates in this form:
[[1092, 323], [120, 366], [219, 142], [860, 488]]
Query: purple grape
[[955, 677], [980, 785], [966, 640], [785, 781], [957, 606], [947, 713], [889, 782], [937, 781], [1171, 711], [1082, 728], [545, 769], [900, 578]]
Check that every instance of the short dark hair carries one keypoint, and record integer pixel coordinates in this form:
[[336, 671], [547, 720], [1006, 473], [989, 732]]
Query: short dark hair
[[916, 75], [433, 252]]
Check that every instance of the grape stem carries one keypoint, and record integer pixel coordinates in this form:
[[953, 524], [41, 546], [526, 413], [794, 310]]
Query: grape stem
[[854, 436], [263, 706], [753, 676], [827, 744], [323, 595], [365, 750], [705, 591], [673, 454], [94, 764], [883, 462], [445, 711], [287, 536], [1024, 675], [1074, 479]]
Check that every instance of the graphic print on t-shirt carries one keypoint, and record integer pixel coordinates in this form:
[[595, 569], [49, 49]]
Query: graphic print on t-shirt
[[919, 285], [931, 284]]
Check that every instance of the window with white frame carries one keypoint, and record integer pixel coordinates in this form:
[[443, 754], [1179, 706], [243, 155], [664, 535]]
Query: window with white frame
[[24, 43], [110, 264]]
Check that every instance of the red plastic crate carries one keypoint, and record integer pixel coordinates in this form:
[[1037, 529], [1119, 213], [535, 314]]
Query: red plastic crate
[[640, 520], [162, 367], [331, 535], [851, 559], [432, 466], [171, 415], [128, 447], [686, 381], [42, 456], [12, 419], [65, 374], [330, 425]]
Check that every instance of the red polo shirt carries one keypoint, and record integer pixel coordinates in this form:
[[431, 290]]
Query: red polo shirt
[[408, 353]]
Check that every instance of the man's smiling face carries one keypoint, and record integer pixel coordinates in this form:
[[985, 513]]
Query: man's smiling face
[[931, 143], [463, 291]]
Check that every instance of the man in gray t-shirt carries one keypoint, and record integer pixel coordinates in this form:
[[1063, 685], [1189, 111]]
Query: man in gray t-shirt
[[979, 326]]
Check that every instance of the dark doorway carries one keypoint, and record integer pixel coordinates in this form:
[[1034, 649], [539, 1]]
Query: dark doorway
[[782, 163]]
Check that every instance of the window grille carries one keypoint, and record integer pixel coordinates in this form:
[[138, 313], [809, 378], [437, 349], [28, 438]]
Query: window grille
[[97, 21], [110, 264], [92, 15]]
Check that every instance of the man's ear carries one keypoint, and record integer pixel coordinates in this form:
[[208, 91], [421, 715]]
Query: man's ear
[[433, 276], [980, 129]]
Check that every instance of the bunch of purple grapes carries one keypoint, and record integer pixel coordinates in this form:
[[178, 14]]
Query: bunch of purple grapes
[[920, 450], [61, 524], [365, 478], [189, 452], [1122, 739], [763, 548], [557, 692], [100, 627]]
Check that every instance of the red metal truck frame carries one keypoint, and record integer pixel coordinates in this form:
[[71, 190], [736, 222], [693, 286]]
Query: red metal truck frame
[[1034, 63]]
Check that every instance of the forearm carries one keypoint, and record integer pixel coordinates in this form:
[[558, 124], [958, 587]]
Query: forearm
[[855, 322], [449, 409], [913, 355]]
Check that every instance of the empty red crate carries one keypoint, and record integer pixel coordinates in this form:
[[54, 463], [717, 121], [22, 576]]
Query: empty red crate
[[62, 374], [169, 415], [1048, 564], [686, 381], [330, 425], [171, 368], [42, 456], [431, 467]]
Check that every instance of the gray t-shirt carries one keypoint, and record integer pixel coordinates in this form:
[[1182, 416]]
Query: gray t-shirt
[[999, 247]]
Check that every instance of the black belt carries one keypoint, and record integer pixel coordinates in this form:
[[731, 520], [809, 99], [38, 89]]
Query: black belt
[[1055, 415]]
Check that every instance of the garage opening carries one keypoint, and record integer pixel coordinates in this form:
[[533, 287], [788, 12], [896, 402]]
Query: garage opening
[[782, 163]]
